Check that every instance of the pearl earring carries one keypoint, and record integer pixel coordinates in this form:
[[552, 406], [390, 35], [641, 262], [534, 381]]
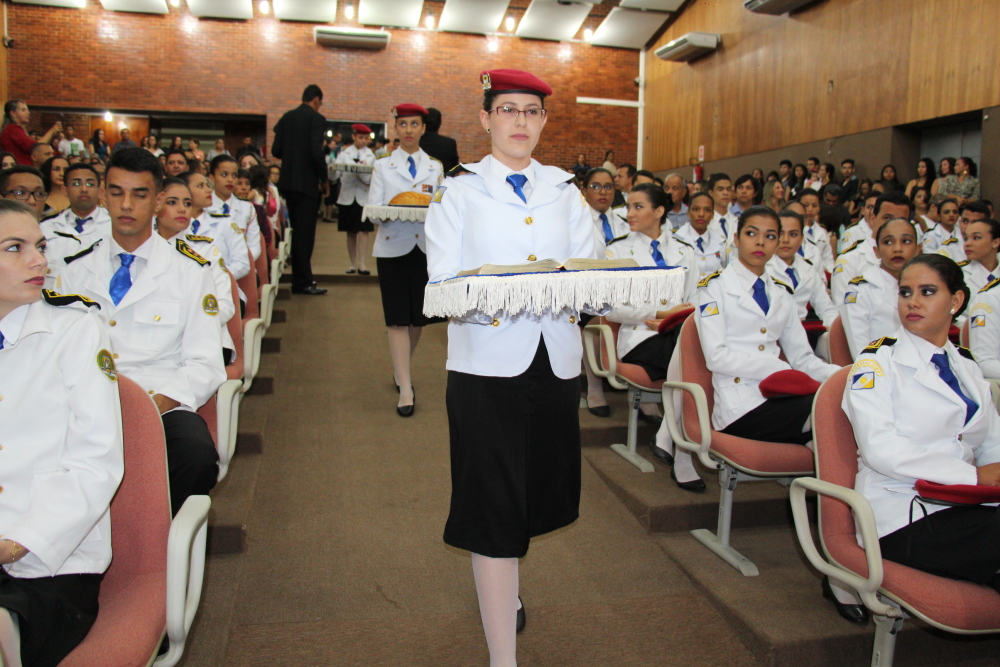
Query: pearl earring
[[952, 311]]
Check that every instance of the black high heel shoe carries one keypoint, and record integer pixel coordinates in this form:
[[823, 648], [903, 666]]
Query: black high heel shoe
[[855, 613], [694, 486], [520, 615], [407, 410]]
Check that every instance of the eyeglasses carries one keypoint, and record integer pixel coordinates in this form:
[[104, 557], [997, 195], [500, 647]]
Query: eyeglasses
[[23, 195], [77, 183], [597, 187], [531, 113]]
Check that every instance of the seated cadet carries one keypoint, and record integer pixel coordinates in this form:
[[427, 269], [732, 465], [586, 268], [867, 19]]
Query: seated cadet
[[787, 265], [228, 240], [78, 227], [710, 250], [241, 213], [24, 184], [650, 243], [860, 230], [921, 409], [814, 231], [723, 222], [159, 302], [946, 232], [982, 242], [860, 257], [60, 425], [743, 316], [969, 212], [868, 310], [808, 248], [172, 221]]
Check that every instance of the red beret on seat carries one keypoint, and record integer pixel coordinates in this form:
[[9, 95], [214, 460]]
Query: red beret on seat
[[361, 129], [813, 325], [513, 81], [962, 494], [404, 110], [789, 382], [669, 323]]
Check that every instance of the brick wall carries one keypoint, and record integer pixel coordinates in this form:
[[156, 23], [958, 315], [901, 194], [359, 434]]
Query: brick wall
[[96, 59]]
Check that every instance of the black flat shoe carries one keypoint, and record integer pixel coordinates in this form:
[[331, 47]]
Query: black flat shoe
[[855, 613], [364, 272], [662, 455], [520, 615], [351, 271], [312, 289], [695, 486], [652, 420], [600, 410]]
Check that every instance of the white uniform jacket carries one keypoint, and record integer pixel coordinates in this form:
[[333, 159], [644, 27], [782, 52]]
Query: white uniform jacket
[[227, 238], [205, 246], [396, 238], [477, 219], [856, 260], [62, 239], [619, 227], [724, 226], [910, 425], [821, 238], [165, 331], [712, 255], [243, 216], [870, 308], [741, 343], [984, 328], [810, 290], [353, 187], [934, 238], [977, 275], [637, 246], [859, 231], [61, 432]]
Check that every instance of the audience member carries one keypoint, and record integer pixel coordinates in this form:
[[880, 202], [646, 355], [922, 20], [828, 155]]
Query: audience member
[[238, 212], [193, 150], [53, 171], [152, 144], [710, 251], [814, 231], [71, 144], [860, 257], [98, 146], [982, 242], [963, 184], [675, 186], [436, 145], [78, 228], [785, 174], [746, 190], [24, 184], [598, 191], [218, 149], [624, 181], [814, 179], [40, 152], [946, 169], [799, 174], [581, 167], [14, 137], [609, 161], [758, 173], [788, 266], [920, 197], [229, 240], [723, 222], [946, 232], [643, 176], [924, 179], [125, 141], [774, 195], [176, 144], [887, 181], [7, 160], [849, 184], [248, 159], [176, 162], [194, 164]]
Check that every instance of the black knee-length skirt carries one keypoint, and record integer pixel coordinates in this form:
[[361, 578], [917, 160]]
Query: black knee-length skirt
[[349, 219], [515, 458], [402, 281]]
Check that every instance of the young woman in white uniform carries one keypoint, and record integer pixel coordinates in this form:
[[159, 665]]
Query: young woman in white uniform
[[60, 426], [921, 409], [399, 245], [743, 314], [710, 251], [982, 242], [869, 310], [513, 381]]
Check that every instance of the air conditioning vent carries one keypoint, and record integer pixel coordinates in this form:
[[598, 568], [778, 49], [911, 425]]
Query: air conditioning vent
[[774, 7], [351, 38], [688, 47]]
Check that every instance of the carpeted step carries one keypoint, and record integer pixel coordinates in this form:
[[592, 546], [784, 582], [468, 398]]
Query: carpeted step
[[278, 317], [270, 345], [335, 279]]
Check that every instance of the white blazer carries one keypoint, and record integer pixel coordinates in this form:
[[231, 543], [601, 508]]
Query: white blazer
[[62, 240], [818, 235], [977, 275], [638, 246], [228, 239], [724, 226], [477, 219], [619, 227], [353, 187], [206, 247], [810, 290], [60, 425], [859, 231], [396, 238], [741, 343], [243, 216], [984, 328], [165, 331], [941, 241], [870, 308], [712, 256], [855, 261], [910, 425]]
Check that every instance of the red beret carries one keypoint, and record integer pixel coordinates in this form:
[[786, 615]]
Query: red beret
[[513, 81], [403, 110], [359, 128], [677, 318], [964, 494], [788, 383]]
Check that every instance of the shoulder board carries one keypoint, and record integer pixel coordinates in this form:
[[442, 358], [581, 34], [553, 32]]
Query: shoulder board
[[704, 281], [193, 237], [949, 240], [965, 262], [683, 242], [218, 215], [624, 236], [785, 285], [68, 236], [876, 344], [458, 170], [55, 299], [808, 261], [82, 253], [853, 246], [185, 249], [853, 224], [857, 280], [965, 352], [436, 160], [991, 284], [383, 157], [51, 215]]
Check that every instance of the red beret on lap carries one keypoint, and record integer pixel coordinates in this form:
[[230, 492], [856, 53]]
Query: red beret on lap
[[404, 110], [788, 383], [677, 318], [961, 494], [813, 325], [361, 129], [513, 81]]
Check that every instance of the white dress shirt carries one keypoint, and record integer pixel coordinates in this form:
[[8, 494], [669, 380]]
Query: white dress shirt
[[709, 248]]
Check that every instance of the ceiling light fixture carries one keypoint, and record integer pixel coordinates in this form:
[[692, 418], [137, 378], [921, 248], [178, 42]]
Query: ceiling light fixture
[[108, 117], [509, 23], [493, 45], [175, 3], [349, 11], [429, 21], [588, 34], [265, 7]]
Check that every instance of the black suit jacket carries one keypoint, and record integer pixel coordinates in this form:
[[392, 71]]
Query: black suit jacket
[[441, 147], [298, 142]]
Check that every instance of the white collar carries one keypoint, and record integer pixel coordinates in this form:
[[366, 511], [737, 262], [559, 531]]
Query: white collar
[[402, 156], [144, 251], [13, 323], [501, 171], [746, 277]]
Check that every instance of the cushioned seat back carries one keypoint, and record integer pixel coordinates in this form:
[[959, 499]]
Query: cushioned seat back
[[964, 339], [248, 284], [614, 326], [234, 371], [840, 353], [694, 369], [261, 263]]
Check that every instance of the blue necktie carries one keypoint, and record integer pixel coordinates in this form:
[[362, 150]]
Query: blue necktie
[[722, 221], [701, 245], [608, 234], [657, 257], [990, 278], [121, 282], [194, 227], [944, 370], [79, 224], [517, 182], [791, 274], [413, 168], [760, 295], [1, 340], [225, 209], [809, 230], [801, 252]]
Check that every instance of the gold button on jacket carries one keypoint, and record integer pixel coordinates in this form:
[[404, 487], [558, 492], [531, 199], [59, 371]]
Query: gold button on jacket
[[531, 258], [496, 322]]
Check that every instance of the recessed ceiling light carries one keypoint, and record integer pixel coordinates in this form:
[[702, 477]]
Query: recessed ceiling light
[[349, 11], [265, 7], [509, 23], [429, 21]]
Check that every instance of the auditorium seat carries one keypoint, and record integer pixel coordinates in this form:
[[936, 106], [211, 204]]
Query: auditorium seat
[[737, 459], [892, 592], [267, 289], [154, 582], [253, 326], [621, 376], [840, 351]]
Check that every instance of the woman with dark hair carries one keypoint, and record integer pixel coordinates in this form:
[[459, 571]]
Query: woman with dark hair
[[7, 160], [177, 144], [609, 162], [99, 148], [887, 181], [982, 243], [758, 173], [799, 174], [53, 171], [924, 179], [921, 410], [947, 169], [14, 133], [963, 185], [773, 176], [921, 198]]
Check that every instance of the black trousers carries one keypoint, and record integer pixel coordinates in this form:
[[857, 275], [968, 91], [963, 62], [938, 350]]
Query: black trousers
[[958, 543], [192, 459], [54, 613], [775, 420], [302, 217]]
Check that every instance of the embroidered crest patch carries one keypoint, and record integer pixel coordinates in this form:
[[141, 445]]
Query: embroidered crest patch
[[863, 380], [977, 321], [210, 305], [107, 365], [851, 297], [709, 309]]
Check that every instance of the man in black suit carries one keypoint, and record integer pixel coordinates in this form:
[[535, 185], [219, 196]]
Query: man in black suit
[[298, 142], [436, 145]]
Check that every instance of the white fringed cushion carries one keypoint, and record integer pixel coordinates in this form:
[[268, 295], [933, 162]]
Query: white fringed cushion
[[354, 168], [394, 213]]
